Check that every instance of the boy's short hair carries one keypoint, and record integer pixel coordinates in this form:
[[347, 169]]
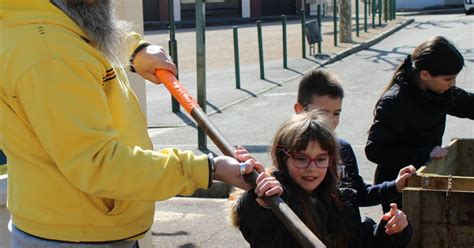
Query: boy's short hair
[[319, 82]]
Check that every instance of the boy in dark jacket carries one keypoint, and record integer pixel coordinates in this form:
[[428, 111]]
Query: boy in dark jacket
[[321, 89]]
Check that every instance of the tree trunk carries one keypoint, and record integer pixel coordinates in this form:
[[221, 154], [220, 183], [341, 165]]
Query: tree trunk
[[345, 21]]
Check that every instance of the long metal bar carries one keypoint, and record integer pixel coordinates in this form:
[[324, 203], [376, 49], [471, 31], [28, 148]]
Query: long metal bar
[[285, 53], [303, 35], [334, 8], [260, 49], [201, 65], [173, 49], [357, 17], [320, 28]]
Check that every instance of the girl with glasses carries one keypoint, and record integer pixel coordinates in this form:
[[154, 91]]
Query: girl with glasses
[[304, 154]]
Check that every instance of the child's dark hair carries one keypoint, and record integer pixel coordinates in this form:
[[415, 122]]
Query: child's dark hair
[[319, 82], [294, 135], [437, 55]]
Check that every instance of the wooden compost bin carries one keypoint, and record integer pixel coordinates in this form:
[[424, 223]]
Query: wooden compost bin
[[439, 200]]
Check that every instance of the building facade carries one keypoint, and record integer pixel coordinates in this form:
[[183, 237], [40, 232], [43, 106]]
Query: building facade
[[157, 10]]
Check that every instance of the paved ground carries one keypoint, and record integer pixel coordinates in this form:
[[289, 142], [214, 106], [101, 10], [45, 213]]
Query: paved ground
[[220, 62]]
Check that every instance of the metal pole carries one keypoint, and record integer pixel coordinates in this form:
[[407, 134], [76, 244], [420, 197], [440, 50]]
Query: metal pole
[[335, 21], [390, 10], [394, 9], [285, 52], [357, 18], [320, 30], [380, 12], [260, 49], [236, 58], [373, 13], [201, 65], [303, 37], [365, 15], [385, 11], [173, 49]]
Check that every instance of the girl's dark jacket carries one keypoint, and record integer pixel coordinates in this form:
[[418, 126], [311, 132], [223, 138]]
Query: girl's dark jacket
[[261, 228], [409, 123]]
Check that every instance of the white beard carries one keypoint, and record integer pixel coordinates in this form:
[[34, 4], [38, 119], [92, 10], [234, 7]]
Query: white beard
[[99, 21]]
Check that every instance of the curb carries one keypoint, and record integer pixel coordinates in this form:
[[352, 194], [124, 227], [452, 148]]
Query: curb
[[366, 44], [222, 190], [441, 11]]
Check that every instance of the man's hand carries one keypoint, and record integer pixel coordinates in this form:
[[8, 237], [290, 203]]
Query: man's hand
[[150, 59], [228, 171], [403, 175]]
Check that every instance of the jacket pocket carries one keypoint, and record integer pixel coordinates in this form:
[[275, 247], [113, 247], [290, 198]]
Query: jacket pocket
[[119, 207]]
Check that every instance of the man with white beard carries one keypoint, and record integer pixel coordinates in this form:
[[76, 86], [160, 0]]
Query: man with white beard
[[82, 172]]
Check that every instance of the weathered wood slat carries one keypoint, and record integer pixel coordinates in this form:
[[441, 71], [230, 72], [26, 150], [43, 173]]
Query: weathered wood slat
[[439, 200]]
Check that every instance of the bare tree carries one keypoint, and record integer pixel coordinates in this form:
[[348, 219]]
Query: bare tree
[[345, 20]]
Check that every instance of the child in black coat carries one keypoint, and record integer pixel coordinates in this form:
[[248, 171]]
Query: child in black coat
[[305, 156], [410, 116]]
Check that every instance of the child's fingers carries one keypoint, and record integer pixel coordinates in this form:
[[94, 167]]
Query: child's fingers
[[408, 169], [393, 209], [268, 186], [275, 190], [262, 176], [396, 227]]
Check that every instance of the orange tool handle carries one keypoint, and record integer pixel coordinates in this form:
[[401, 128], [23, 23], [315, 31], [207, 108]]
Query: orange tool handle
[[177, 90]]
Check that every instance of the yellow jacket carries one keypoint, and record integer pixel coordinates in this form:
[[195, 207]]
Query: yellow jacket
[[80, 162]]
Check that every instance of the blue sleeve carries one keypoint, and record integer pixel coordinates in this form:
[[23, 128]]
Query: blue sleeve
[[367, 194], [370, 195]]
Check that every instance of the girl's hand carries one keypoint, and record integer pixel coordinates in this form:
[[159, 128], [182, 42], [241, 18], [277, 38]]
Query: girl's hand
[[403, 175], [397, 220], [268, 186], [242, 154], [438, 152]]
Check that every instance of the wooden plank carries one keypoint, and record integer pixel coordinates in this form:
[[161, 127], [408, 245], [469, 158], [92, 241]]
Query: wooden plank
[[455, 209], [437, 182], [411, 207], [439, 200], [446, 165], [451, 237], [466, 158]]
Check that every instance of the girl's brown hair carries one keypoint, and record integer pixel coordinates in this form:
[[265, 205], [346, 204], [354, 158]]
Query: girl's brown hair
[[294, 135], [437, 55]]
